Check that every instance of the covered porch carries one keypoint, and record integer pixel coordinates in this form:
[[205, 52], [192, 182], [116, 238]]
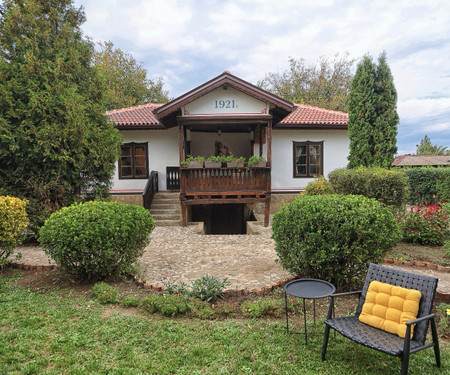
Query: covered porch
[[224, 116]]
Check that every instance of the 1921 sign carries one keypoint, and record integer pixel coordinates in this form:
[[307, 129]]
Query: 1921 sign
[[225, 104]]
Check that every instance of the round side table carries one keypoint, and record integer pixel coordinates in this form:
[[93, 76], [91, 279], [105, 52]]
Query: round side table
[[307, 289]]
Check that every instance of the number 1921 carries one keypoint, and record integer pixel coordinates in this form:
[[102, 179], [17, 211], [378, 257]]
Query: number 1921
[[224, 104]]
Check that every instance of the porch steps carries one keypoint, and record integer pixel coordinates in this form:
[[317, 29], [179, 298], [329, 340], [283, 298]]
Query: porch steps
[[166, 208]]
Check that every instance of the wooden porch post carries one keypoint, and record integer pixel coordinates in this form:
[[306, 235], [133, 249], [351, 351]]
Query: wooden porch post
[[269, 143], [181, 137], [260, 139]]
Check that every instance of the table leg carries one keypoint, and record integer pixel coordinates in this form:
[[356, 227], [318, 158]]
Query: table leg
[[304, 320], [286, 309]]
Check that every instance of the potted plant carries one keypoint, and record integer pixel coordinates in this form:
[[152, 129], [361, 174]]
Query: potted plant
[[234, 161], [256, 162], [193, 162], [214, 161]]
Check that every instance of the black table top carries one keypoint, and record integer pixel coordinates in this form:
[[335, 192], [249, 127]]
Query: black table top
[[309, 288]]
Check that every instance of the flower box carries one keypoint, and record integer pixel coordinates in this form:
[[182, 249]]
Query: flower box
[[195, 164], [260, 164], [213, 164]]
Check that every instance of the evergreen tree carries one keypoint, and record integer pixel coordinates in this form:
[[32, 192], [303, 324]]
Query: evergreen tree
[[55, 141], [362, 113], [373, 118], [427, 148], [126, 80]]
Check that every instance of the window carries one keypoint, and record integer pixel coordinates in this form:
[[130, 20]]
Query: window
[[133, 162], [308, 159]]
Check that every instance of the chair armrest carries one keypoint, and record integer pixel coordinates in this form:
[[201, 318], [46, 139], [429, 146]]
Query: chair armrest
[[331, 307], [422, 318], [346, 293]]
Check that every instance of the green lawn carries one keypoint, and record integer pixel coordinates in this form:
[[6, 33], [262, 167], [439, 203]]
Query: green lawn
[[54, 332]]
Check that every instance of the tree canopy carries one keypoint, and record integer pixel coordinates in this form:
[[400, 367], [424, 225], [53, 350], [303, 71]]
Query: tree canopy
[[425, 147], [126, 79], [373, 119], [324, 84], [55, 140]]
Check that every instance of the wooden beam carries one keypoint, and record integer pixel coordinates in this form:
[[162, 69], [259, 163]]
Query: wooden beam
[[266, 214], [260, 140], [269, 144], [181, 140]]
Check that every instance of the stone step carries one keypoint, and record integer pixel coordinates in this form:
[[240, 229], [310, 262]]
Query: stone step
[[166, 216], [161, 211], [163, 206], [167, 223]]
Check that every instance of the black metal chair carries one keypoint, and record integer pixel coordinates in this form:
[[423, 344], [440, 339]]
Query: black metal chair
[[352, 328]]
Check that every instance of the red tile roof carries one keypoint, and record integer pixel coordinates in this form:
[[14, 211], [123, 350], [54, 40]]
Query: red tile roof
[[141, 116], [304, 115], [421, 160]]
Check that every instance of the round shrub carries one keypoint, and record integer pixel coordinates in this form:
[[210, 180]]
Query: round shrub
[[333, 237], [97, 239], [13, 225], [319, 186]]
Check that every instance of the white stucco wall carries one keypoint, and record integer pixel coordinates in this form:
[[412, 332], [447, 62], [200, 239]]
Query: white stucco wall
[[163, 151], [335, 148]]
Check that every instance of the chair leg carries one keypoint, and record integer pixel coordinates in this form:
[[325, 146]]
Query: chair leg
[[326, 335], [436, 343], [405, 363]]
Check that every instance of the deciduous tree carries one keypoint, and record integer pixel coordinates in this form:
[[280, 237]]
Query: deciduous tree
[[55, 140], [126, 79], [425, 147], [325, 84]]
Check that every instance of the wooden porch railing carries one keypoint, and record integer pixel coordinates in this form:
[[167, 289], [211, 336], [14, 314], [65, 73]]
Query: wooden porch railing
[[224, 180], [151, 188]]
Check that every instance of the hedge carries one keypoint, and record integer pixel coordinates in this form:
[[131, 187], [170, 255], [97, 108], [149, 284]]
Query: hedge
[[387, 186], [428, 185]]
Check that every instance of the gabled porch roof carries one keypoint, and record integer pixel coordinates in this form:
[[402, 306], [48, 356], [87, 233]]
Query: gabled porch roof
[[279, 107]]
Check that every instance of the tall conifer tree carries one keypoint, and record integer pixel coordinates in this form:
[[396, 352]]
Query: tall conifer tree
[[373, 118], [54, 138]]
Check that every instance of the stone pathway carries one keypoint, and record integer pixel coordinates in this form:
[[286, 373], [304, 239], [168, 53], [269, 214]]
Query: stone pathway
[[178, 254]]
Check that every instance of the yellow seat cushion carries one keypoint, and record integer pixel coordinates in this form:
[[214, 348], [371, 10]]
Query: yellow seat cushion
[[389, 307]]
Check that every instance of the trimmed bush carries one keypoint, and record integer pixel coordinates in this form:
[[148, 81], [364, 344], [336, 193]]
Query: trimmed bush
[[386, 186], [428, 185], [319, 186], [333, 237], [13, 225], [426, 225], [96, 240]]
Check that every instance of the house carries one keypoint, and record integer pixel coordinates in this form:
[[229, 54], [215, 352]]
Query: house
[[422, 161], [226, 114]]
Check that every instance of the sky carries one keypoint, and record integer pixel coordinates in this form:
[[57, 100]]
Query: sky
[[188, 42]]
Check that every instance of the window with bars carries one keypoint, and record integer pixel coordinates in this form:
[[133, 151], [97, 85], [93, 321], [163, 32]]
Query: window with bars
[[133, 162], [308, 159]]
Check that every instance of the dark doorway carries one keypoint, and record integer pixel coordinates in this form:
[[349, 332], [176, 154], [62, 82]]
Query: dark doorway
[[222, 218]]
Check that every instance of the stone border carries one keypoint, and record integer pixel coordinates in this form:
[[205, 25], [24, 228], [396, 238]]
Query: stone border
[[258, 292], [429, 265]]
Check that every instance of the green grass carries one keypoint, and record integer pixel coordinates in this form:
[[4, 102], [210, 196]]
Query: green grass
[[54, 332]]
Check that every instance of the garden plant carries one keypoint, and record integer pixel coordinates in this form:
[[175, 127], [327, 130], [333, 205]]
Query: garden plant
[[13, 225], [95, 240], [333, 237]]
